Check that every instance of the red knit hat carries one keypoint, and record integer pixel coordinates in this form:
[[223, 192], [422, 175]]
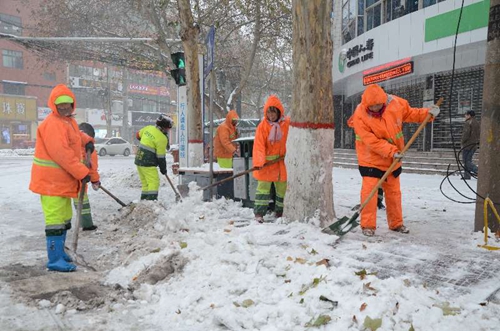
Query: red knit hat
[[373, 95]]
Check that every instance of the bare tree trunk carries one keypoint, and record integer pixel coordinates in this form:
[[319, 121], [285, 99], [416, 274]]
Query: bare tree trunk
[[189, 36], [309, 157], [489, 157]]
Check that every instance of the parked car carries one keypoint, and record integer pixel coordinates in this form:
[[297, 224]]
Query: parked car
[[112, 146]]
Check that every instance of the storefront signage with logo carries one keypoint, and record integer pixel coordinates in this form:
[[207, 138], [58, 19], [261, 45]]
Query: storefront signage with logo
[[43, 112], [140, 118], [360, 53], [149, 90], [97, 117], [390, 73], [18, 108]]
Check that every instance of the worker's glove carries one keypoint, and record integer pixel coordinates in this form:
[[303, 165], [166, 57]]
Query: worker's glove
[[96, 185], [398, 155], [163, 171], [434, 110], [86, 179], [89, 147]]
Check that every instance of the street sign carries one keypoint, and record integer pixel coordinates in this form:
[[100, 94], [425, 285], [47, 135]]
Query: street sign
[[210, 44]]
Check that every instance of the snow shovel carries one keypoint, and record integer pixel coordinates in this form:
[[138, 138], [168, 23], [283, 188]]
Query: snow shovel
[[77, 258], [80, 207], [346, 224], [241, 174], [177, 194], [114, 198]]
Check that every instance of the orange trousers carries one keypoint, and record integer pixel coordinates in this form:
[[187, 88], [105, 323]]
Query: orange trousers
[[394, 209]]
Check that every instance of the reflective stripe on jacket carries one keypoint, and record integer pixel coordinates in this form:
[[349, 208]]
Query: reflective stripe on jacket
[[57, 165], [152, 147], [378, 138], [264, 151]]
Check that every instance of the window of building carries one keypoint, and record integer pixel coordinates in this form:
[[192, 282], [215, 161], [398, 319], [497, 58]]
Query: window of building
[[11, 24], [411, 6], [348, 20], [14, 89], [373, 14], [361, 17], [12, 59], [49, 76]]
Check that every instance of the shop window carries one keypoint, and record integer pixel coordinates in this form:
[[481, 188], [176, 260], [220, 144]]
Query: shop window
[[5, 138], [12, 59], [49, 76], [14, 89], [373, 16], [348, 20], [11, 24]]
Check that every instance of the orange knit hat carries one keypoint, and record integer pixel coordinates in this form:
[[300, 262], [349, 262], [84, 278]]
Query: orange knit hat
[[373, 95]]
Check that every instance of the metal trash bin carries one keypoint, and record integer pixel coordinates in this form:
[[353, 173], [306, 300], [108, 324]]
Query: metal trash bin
[[202, 179], [244, 186]]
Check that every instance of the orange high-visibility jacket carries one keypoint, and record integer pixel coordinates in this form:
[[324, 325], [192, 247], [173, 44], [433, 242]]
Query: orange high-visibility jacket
[[264, 151], [226, 132], [379, 138], [57, 166]]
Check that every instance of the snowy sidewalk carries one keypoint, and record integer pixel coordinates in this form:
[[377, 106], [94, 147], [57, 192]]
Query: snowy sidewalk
[[186, 266]]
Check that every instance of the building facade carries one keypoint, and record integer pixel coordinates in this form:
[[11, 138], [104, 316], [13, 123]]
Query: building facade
[[103, 93], [407, 47], [25, 80]]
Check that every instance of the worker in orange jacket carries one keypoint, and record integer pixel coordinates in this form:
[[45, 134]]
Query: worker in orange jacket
[[86, 222], [224, 148], [380, 193], [270, 144], [378, 125], [58, 172]]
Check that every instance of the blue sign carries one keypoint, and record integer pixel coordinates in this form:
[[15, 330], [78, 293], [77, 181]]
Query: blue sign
[[209, 59]]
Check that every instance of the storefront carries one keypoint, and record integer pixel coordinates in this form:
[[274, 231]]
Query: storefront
[[18, 121], [412, 57]]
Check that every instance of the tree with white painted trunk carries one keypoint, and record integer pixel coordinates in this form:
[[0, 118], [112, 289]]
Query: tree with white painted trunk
[[309, 156]]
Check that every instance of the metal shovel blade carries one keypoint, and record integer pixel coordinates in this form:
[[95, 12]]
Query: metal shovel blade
[[343, 225]]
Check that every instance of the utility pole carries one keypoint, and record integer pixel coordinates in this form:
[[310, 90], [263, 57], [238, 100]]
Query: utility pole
[[488, 185], [109, 112], [125, 104]]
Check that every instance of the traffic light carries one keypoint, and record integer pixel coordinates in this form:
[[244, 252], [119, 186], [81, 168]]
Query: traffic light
[[179, 74]]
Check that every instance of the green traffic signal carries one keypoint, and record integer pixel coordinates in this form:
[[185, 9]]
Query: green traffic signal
[[179, 74]]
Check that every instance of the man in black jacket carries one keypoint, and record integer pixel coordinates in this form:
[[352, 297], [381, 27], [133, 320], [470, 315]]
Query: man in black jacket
[[470, 142]]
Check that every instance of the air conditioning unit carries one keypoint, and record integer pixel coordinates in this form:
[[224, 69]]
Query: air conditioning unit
[[74, 81]]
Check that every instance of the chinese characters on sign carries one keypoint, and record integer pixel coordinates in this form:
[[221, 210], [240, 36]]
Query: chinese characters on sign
[[6, 108], [354, 53], [20, 108], [394, 72], [182, 140]]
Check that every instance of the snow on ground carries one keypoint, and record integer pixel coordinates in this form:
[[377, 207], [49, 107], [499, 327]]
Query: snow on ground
[[202, 266]]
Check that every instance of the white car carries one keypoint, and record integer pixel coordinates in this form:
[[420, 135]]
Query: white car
[[112, 146]]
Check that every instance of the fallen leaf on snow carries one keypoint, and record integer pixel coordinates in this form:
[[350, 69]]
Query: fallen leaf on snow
[[321, 320], [183, 244], [227, 230], [363, 306], [372, 324], [364, 246], [323, 262], [247, 303], [354, 319], [231, 222]]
